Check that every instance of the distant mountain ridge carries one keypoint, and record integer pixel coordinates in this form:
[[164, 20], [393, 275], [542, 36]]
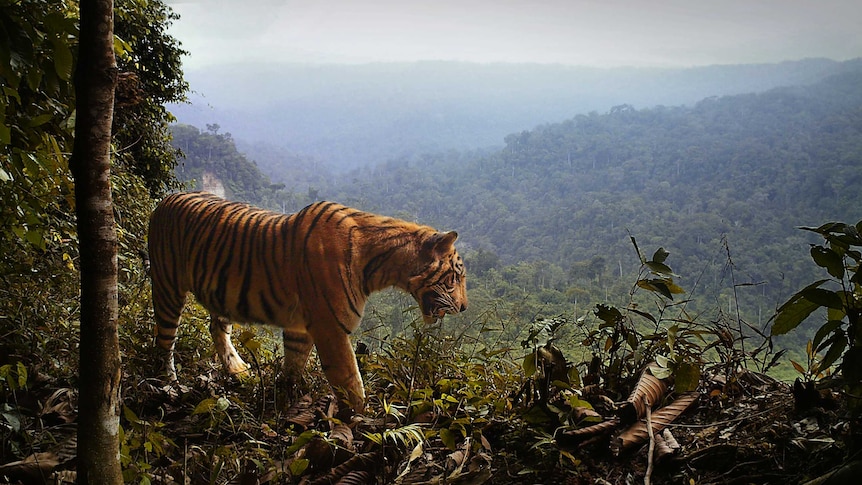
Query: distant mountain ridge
[[352, 115]]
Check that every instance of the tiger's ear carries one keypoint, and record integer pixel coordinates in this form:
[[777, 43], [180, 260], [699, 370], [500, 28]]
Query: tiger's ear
[[441, 243]]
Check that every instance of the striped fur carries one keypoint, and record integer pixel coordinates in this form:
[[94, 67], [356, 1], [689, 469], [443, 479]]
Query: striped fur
[[309, 273]]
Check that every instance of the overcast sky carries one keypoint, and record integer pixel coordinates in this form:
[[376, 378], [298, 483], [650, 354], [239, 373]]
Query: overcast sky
[[665, 33]]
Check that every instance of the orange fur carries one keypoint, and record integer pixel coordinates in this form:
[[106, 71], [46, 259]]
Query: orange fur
[[309, 273]]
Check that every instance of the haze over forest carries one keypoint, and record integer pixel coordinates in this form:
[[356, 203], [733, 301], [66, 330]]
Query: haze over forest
[[352, 115], [720, 166]]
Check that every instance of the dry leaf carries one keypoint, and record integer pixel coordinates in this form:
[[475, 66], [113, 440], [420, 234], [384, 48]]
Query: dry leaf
[[575, 436], [649, 391], [301, 414], [31, 469], [363, 465], [637, 433]]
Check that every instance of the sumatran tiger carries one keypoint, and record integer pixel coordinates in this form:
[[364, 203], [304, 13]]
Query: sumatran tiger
[[309, 273]]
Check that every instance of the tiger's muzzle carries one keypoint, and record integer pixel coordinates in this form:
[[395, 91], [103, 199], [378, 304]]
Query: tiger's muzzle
[[436, 302]]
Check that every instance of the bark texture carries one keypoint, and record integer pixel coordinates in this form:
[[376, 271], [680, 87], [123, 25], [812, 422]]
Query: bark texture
[[99, 402]]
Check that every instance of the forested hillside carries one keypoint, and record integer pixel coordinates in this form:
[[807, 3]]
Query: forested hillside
[[722, 185], [742, 170]]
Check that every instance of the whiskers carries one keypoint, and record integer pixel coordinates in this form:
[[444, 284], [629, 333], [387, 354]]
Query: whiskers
[[443, 301]]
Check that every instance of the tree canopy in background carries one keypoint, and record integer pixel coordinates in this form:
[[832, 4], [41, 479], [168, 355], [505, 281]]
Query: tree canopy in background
[[721, 184]]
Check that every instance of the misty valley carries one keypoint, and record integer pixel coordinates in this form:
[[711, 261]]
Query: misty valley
[[546, 221]]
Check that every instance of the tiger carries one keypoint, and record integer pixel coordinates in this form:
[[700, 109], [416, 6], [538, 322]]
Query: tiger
[[309, 273]]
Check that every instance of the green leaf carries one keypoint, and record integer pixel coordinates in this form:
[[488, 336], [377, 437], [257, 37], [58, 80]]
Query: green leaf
[[822, 297], [660, 256], [448, 438], [674, 288], [529, 364], [5, 139], [656, 286], [222, 404], [608, 314], [659, 268], [646, 315], [536, 415], [799, 294], [308, 435], [204, 406], [632, 340], [660, 372], [836, 349], [829, 259], [835, 313], [62, 59], [790, 316], [686, 377], [131, 416], [637, 249], [823, 331], [574, 376], [298, 466], [39, 120], [122, 49], [22, 375], [13, 421]]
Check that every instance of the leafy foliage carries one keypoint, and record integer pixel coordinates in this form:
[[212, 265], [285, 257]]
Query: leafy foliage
[[840, 337]]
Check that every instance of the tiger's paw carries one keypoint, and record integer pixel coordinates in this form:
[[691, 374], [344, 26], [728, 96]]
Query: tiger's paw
[[290, 389], [242, 373]]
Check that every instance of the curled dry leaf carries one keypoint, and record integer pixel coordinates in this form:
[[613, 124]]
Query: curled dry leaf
[[573, 437], [638, 433], [649, 391], [363, 465], [301, 414], [581, 413], [326, 453], [342, 435], [31, 469]]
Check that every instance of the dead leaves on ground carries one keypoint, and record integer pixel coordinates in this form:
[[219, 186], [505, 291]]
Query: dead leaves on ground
[[631, 414]]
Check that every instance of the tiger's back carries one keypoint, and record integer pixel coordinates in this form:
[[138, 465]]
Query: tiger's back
[[218, 251], [309, 273]]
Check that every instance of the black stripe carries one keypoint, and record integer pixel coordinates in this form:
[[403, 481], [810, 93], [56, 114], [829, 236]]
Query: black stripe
[[267, 306], [230, 230], [248, 266], [346, 289], [267, 260]]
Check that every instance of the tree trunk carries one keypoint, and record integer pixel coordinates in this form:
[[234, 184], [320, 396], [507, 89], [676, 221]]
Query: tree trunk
[[99, 401]]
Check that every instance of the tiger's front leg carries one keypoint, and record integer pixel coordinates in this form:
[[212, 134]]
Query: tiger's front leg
[[220, 329], [339, 364]]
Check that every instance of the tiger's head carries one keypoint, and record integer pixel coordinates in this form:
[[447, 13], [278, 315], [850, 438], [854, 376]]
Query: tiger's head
[[440, 287]]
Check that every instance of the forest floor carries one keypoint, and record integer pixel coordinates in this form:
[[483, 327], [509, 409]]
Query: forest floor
[[752, 431]]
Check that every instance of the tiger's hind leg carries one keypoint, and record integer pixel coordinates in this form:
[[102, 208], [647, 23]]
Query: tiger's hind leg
[[220, 329], [297, 348], [167, 306]]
